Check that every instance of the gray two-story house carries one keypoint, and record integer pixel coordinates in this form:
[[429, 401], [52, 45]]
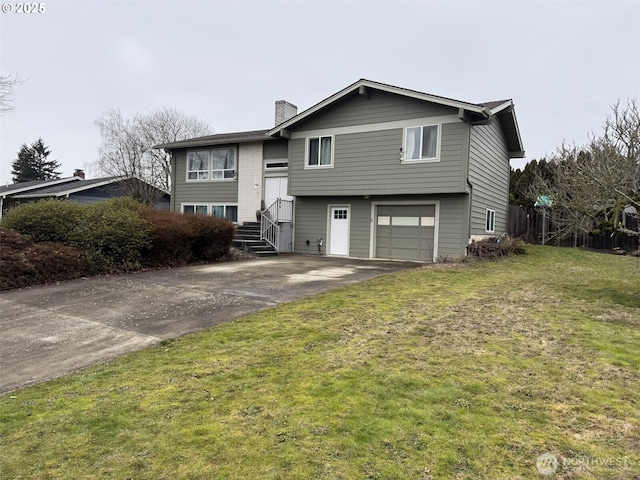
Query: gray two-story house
[[373, 171]]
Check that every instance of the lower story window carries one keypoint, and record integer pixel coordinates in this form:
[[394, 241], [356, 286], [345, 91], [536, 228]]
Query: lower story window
[[195, 209], [229, 212], [490, 221]]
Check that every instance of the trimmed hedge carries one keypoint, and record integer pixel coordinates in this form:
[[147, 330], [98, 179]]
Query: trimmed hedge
[[113, 236], [49, 220], [24, 263], [171, 239], [213, 237], [178, 240]]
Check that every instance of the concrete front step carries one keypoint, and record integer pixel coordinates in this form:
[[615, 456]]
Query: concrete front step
[[255, 246], [247, 238]]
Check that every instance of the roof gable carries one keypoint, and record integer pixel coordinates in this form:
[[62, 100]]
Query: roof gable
[[480, 111], [361, 87], [68, 189], [35, 185], [477, 111]]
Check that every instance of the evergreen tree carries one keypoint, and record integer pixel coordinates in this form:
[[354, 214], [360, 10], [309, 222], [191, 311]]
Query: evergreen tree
[[521, 181], [33, 164]]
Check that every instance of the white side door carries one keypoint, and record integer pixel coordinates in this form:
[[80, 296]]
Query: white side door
[[339, 218]]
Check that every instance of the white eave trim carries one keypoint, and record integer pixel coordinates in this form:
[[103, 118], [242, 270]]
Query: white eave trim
[[42, 186], [385, 88], [501, 107], [66, 193]]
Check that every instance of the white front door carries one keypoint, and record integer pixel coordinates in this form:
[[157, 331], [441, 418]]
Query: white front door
[[275, 188], [339, 230]]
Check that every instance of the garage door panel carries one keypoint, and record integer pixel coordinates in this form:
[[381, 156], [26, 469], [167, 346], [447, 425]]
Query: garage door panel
[[405, 232], [408, 243], [404, 254], [383, 242]]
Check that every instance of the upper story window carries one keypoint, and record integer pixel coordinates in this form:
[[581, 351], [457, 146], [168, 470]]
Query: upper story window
[[421, 143], [198, 165], [211, 164], [319, 152]]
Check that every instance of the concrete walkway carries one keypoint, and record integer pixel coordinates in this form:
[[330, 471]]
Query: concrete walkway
[[52, 330]]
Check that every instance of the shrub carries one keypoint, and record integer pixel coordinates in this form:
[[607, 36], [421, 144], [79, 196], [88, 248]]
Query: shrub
[[494, 247], [24, 263], [177, 239], [48, 220], [113, 235], [213, 237], [171, 238]]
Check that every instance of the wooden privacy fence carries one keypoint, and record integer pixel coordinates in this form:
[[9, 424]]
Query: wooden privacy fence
[[529, 223]]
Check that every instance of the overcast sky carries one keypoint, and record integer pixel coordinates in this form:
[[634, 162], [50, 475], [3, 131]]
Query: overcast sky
[[564, 64]]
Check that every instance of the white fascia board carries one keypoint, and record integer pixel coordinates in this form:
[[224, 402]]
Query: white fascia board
[[210, 142], [66, 193], [378, 86], [521, 153], [501, 107], [512, 115], [87, 187], [50, 183], [426, 97]]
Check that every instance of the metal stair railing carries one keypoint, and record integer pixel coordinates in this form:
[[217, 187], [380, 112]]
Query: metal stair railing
[[279, 211]]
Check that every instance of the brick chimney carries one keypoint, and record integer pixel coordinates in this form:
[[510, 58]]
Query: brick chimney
[[285, 111], [79, 173]]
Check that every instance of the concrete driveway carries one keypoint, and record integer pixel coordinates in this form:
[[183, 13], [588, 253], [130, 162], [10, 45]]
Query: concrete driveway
[[52, 330]]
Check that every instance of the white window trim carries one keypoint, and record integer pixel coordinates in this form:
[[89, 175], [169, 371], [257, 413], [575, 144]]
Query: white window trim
[[225, 206], [269, 168], [211, 170], [194, 205], [209, 207], [197, 171], [306, 152], [490, 214], [438, 146]]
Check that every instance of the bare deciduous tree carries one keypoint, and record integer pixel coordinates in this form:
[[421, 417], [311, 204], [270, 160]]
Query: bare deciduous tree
[[127, 145], [7, 92], [598, 184]]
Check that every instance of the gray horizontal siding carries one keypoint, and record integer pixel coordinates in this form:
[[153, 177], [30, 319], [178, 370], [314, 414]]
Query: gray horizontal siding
[[311, 222], [489, 175], [452, 237], [198, 192], [368, 163], [275, 150], [356, 109]]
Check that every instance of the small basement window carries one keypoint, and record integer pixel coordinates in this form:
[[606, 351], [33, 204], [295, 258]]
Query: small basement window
[[490, 221]]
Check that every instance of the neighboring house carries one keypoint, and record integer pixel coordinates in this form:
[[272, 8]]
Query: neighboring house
[[373, 171], [76, 189]]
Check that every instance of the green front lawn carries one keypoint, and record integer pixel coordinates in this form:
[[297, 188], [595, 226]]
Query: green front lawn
[[450, 371]]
